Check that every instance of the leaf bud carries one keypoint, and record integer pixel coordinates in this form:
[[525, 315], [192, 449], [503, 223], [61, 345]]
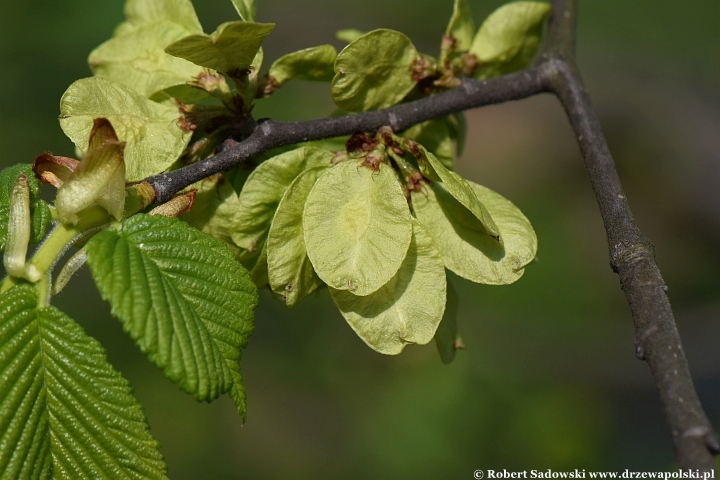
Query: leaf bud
[[99, 177], [19, 228]]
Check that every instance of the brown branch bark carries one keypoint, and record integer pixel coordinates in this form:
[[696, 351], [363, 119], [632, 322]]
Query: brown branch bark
[[631, 254]]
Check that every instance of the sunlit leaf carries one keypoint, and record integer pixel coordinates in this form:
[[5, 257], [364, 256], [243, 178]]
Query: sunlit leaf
[[138, 60], [357, 227], [407, 309], [374, 71], [39, 209], [509, 37], [153, 137], [314, 63], [291, 273], [461, 26], [264, 189], [230, 49], [66, 412], [459, 188], [468, 251], [246, 9], [182, 297], [143, 12]]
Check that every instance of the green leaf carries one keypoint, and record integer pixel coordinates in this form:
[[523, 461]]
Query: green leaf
[[468, 251], [461, 26], [459, 188], [316, 63], [290, 272], [264, 189], [143, 12], [230, 49], [457, 128], [374, 71], [40, 212], [446, 337], [138, 60], [406, 310], [154, 139], [246, 9], [434, 135], [509, 37], [182, 297], [66, 412], [357, 227]]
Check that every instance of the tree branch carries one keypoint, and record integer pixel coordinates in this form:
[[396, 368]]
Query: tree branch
[[631, 254]]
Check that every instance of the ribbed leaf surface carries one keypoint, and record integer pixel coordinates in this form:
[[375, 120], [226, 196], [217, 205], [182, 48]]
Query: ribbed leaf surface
[[182, 297], [64, 411]]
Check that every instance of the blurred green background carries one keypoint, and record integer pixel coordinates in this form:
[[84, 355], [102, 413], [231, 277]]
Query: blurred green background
[[549, 378]]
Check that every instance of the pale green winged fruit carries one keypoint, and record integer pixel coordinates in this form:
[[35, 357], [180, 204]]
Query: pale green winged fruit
[[291, 273], [374, 71], [357, 226], [458, 187], [407, 309], [509, 37], [434, 135], [139, 13], [315, 63], [468, 250], [138, 60], [264, 189], [230, 49], [246, 9], [461, 26], [99, 178], [151, 131], [40, 212]]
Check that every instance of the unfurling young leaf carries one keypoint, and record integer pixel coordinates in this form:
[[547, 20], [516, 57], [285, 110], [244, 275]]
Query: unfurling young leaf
[[461, 27], [357, 227], [509, 37], [182, 297], [19, 227], [40, 212], [468, 250], [264, 189], [374, 71], [99, 178], [230, 49], [315, 63], [68, 413], [291, 273], [407, 309], [151, 132]]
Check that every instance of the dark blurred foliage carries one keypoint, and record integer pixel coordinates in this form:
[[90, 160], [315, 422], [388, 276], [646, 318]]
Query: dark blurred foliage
[[549, 378]]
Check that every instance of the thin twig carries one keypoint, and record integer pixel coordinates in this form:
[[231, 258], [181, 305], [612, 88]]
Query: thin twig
[[631, 254]]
